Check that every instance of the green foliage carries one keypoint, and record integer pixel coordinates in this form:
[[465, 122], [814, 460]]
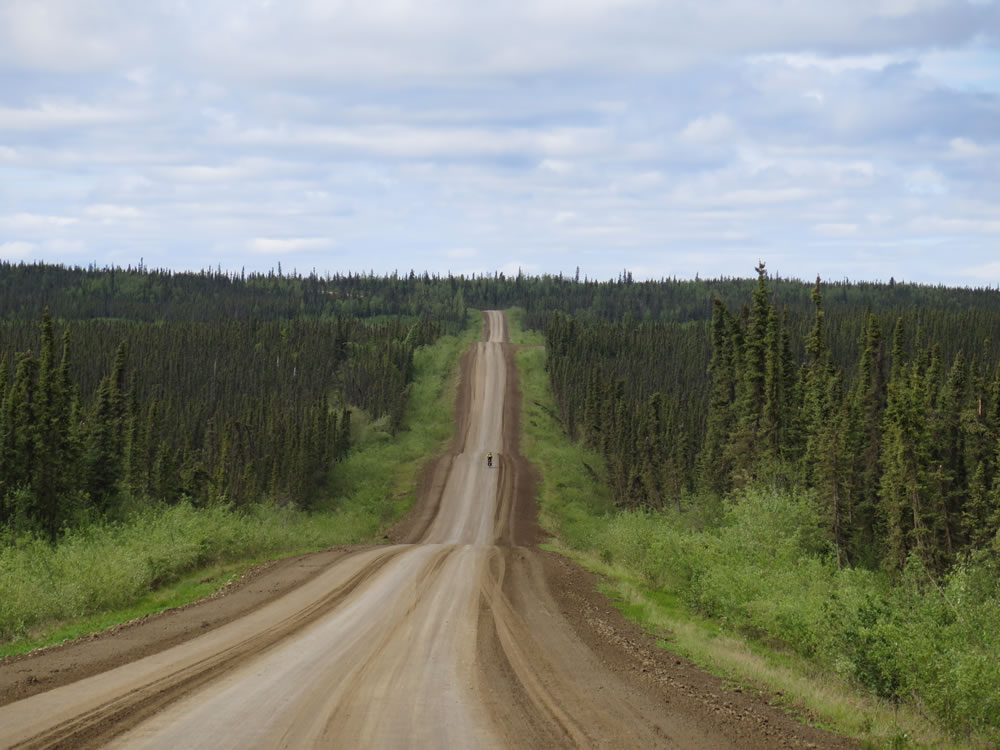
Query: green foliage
[[141, 294], [767, 572], [898, 465], [761, 563], [569, 504], [108, 565], [100, 565], [616, 386], [208, 411]]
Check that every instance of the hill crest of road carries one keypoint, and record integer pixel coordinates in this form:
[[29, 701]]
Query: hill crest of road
[[462, 634]]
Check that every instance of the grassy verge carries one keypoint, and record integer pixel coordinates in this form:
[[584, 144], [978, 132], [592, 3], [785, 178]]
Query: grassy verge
[[378, 482], [643, 558], [166, 557], [189, 587]]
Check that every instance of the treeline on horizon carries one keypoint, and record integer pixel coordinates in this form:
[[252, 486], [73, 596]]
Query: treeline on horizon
[[890, 415], [140, 294]]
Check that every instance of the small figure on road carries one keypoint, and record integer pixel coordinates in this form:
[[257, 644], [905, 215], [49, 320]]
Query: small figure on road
[[489, 460]]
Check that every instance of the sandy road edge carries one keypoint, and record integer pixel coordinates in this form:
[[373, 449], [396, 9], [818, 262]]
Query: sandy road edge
[[433, 477], [24, 675]]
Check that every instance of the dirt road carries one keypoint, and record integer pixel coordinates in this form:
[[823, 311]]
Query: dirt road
[[462, 635]]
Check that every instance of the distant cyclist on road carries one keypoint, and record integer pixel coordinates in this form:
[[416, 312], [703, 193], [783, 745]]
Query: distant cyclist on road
[[489, 460]]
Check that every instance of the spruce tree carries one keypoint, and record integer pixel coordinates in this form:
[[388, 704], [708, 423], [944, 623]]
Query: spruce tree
[[22, 439], [6, 441], [904, 493], [948, 457], [49, 472], [745, 446], [714, 466], [772, 422], [816, 388], [102, 453], [865, 441]]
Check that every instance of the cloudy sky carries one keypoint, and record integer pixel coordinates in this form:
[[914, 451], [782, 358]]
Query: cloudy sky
[[850, 138]]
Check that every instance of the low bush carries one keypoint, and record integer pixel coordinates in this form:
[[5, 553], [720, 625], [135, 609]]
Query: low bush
[[106, 566], [765, 573]]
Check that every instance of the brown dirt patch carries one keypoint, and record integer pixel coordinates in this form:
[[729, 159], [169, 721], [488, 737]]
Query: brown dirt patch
[[747, 719], [524, 529], [35, 672]]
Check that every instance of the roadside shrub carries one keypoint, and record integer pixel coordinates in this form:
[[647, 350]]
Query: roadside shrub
[[767, 571], [105, 566], [950, 660]]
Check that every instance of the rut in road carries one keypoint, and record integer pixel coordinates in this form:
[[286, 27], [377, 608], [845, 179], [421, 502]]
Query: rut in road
[[452, 640]]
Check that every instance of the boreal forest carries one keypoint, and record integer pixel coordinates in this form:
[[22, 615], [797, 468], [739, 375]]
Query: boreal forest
[[884, 398], [889, 412], [99, 412], [860, 420]]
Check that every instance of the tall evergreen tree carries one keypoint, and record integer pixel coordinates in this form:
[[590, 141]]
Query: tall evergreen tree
[[745, 444], [904, 490], [864, 436]]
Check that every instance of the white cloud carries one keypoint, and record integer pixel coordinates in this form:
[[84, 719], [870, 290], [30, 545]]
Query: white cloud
[[643, 181], [966, 148], [836, 230], [460, 40], [900, 8], [828, 63], [203, 173], [556, 166], [878, 219], [988, 272], [287, 245], [16, 250], [945, 225], [708, 129], [448, 38], [925, 181], [235, 171], [110, 212], [65, 247], [53, 115], [462, 252], [765, 195], [600, 230], [26, 221], [421, 142], [139, 76]]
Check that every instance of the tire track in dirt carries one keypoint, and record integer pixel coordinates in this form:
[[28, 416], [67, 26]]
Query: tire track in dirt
[[454, 638], [94, 726]]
